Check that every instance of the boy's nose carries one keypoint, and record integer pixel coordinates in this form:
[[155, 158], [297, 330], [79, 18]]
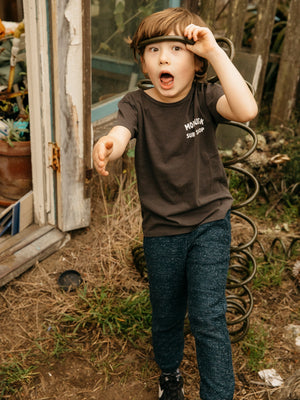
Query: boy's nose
[[163, 59]]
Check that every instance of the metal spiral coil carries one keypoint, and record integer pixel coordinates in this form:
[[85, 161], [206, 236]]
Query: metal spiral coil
[[242, 267], [277, 243]]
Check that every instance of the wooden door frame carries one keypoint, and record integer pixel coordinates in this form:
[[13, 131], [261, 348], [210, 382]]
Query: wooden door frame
[[72, 118], [36, 20], [57, 34]]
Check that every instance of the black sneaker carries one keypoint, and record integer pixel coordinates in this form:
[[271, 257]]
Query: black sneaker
[[171, 387]]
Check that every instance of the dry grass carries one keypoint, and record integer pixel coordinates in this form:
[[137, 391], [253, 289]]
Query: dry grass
[[79, 362]]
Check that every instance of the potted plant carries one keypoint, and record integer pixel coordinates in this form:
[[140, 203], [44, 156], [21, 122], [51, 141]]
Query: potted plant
[[15, 159]]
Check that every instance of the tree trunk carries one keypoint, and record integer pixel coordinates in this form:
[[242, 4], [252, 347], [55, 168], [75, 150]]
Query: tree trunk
[[207, 12], [205, 8], [236, 21], [266, 11], [192, 5], [289, 69]]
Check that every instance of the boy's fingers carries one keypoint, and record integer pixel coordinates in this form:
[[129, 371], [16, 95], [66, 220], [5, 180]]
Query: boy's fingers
[[109, 145], [101, 155], [103, 172], [101, 168], [105, 149]]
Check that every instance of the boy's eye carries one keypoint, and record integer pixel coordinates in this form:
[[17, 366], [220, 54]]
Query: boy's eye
[[174, 47]]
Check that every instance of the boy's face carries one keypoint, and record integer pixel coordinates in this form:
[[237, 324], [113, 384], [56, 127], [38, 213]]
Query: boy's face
[[171, 68]]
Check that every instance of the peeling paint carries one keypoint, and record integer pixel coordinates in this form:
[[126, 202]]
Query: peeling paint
[[74, 71], [73, 15]]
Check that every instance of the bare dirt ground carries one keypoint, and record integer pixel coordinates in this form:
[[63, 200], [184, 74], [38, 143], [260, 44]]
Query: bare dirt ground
[[92, 365]]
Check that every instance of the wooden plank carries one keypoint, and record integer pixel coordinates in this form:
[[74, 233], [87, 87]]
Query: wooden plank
[[16, 242], [113, 65], [262, 37], [285, 95], [249, 65], [17, 216], [27, 256], [38, 55], [87, 95], [26, 211], [109, 107], [73, 207]]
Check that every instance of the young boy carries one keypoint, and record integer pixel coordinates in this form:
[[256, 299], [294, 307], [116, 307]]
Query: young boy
[[183, 191]]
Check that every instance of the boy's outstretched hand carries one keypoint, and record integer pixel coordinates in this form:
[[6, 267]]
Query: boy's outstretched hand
[[101, 152], [110, 147]]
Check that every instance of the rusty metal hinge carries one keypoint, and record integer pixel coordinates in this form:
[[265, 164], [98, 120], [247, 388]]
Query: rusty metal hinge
[[54, 156]]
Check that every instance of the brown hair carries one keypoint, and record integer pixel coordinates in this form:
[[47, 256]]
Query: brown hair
[[162, 23]]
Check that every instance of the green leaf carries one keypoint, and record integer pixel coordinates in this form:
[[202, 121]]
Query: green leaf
[[105, 47], [119, 14], [131, 153], [147, 10]]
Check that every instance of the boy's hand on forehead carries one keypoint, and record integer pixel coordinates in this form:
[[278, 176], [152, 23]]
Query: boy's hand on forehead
[[204, 39]]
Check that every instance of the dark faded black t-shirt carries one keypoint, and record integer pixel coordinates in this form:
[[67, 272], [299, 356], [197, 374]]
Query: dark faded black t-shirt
[[181, 179]]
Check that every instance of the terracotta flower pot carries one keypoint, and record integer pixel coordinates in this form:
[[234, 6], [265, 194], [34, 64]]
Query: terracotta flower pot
[[15, 170]]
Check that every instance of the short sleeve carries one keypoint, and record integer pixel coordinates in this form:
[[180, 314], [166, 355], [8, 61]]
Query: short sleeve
[[127, 115], [213, 92]]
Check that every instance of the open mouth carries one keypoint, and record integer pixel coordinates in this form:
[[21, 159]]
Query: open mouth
[[166, 78]]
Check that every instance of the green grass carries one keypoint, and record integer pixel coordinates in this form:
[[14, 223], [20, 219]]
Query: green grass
[[237, 186], [269, 274], [103, 313], [12, 375], [127, 317], [281, 208], [255, 346]]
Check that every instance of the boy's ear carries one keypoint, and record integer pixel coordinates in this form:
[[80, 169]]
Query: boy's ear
[[144, 69], [199, 64]]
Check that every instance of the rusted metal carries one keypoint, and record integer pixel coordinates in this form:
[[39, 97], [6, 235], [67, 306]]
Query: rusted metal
[[54, 157]]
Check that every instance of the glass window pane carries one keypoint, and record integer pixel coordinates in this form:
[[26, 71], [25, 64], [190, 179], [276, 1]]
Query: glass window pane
[[113, 21]]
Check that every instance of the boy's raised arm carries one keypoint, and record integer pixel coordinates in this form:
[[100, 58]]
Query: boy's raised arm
[[238, 103], [110, 147]]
